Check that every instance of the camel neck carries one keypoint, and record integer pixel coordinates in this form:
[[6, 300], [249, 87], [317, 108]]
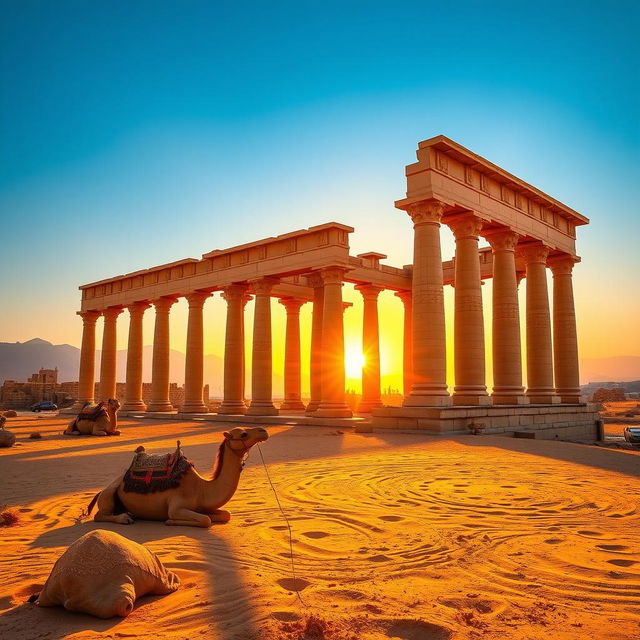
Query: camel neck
[[221, 489]]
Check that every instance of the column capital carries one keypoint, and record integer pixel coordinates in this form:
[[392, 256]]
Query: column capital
[[333, 274], [89, 317], [233, 291], [369, 291], [465, 225], [314, 280], [535, 252], [111, 313], [562, 265], [346, 305], [197, 298], [292, 305], [263, 286], [426, 211], [165, 303], [138, 308], [502, 239], [405, 296]]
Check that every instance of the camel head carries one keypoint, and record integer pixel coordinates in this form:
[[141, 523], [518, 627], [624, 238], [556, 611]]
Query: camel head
[[241, 439], [113, 404]]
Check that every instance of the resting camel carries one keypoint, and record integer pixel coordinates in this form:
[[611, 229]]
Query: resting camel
[[195, 502], [98, 420]]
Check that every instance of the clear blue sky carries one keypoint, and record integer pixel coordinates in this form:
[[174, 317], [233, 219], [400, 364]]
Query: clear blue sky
[[136, 133]]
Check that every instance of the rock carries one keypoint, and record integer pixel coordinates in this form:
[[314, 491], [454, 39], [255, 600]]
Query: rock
[[10, 414]]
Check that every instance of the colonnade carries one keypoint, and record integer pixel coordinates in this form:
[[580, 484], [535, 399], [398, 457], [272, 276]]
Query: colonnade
[[552, 367]]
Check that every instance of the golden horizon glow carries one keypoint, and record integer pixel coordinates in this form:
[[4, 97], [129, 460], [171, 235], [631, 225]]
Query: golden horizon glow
[[354, 361]]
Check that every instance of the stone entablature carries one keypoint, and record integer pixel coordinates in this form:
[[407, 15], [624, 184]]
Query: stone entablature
[[464, 181]]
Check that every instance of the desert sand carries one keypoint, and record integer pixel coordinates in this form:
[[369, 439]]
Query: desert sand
[[394, 536]]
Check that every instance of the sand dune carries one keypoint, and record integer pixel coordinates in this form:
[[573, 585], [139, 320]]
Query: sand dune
[[395, 536]]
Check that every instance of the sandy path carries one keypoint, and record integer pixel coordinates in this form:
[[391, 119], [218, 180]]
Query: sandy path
[[395, 536]]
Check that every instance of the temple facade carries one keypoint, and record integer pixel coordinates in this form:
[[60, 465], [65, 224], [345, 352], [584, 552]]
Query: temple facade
[[527, 233]]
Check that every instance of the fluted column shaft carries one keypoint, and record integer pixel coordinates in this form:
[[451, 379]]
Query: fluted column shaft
[[86, 375], [565, 337], [540, 389], [292, 381], [507, 359], [370, 349], [133, 394], [407, 356], [194, 360], [332, 403], [469, 354], [262, 356], [429, 341], [108, 356], [233, 395], [161, 352], [315, 370]]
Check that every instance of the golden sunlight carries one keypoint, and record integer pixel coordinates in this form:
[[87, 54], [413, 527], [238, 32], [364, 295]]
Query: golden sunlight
[[354, 360]]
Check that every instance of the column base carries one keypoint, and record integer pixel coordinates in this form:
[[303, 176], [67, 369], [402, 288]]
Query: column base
[[543, 398], [312, 406], [460, 399], [262, 409], [232, 409], [365, 406], [572, 398], [194, 408], [292, 405], [417, 400], [330, 410], [160, 407], [507, 399], [134, 405]]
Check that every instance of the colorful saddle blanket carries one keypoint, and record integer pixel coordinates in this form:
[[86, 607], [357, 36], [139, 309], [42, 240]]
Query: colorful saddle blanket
[[93, 411], [150, 473]]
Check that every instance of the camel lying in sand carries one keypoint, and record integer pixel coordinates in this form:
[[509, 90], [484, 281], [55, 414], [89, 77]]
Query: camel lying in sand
[[103, 574], [184, 498], [7, 438], [98, 420]]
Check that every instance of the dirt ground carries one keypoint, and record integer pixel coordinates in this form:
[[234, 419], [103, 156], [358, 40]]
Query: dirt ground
[[397, 536]]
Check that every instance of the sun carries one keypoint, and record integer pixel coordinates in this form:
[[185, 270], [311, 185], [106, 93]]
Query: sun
[[354, 360]]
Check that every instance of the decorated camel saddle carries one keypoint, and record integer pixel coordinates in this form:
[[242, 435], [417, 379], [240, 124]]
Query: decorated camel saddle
[[150, 473], [93, 411]]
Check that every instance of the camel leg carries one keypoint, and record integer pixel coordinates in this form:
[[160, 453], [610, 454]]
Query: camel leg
[[187, 518], [98, 432], [71, 429], [106, 505], [219, 515]]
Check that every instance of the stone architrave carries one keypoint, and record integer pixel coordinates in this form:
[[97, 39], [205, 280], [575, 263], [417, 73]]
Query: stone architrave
[[86, 386], [262, 356], [160, 363], [565, 338], [194, 360], [108, 355], [233, 402], [370, 349], [407, 357], [507, 359], [292, 381], [429, 340], [332, 403], [133, 394], [540, 389], [469, 353], [315, 372]]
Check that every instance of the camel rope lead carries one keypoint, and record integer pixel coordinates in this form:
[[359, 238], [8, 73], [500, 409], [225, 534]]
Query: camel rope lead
[[284, 515]]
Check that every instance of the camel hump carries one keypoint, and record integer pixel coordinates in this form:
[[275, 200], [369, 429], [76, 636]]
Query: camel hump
[[140, 449]]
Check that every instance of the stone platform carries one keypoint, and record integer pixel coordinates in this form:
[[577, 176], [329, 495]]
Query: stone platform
[[549, 422]]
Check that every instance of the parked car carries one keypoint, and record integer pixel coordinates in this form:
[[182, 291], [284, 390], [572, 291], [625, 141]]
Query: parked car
[[632, 435], [47, 405]]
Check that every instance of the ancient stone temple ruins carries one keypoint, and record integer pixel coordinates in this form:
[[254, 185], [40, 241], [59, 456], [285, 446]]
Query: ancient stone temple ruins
[[527, 232]]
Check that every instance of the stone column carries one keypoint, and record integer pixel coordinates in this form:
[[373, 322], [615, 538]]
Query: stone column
[[507, 359], [332, 404], [370, 349], [108, 356], [565, 338], [469, 359], [540, 389], [233, 396], [315, 372], [429, 341], [261, 356], [407, 357], [194, 360], [86, 375], [292, 383], [160, 364], [133, 394]]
